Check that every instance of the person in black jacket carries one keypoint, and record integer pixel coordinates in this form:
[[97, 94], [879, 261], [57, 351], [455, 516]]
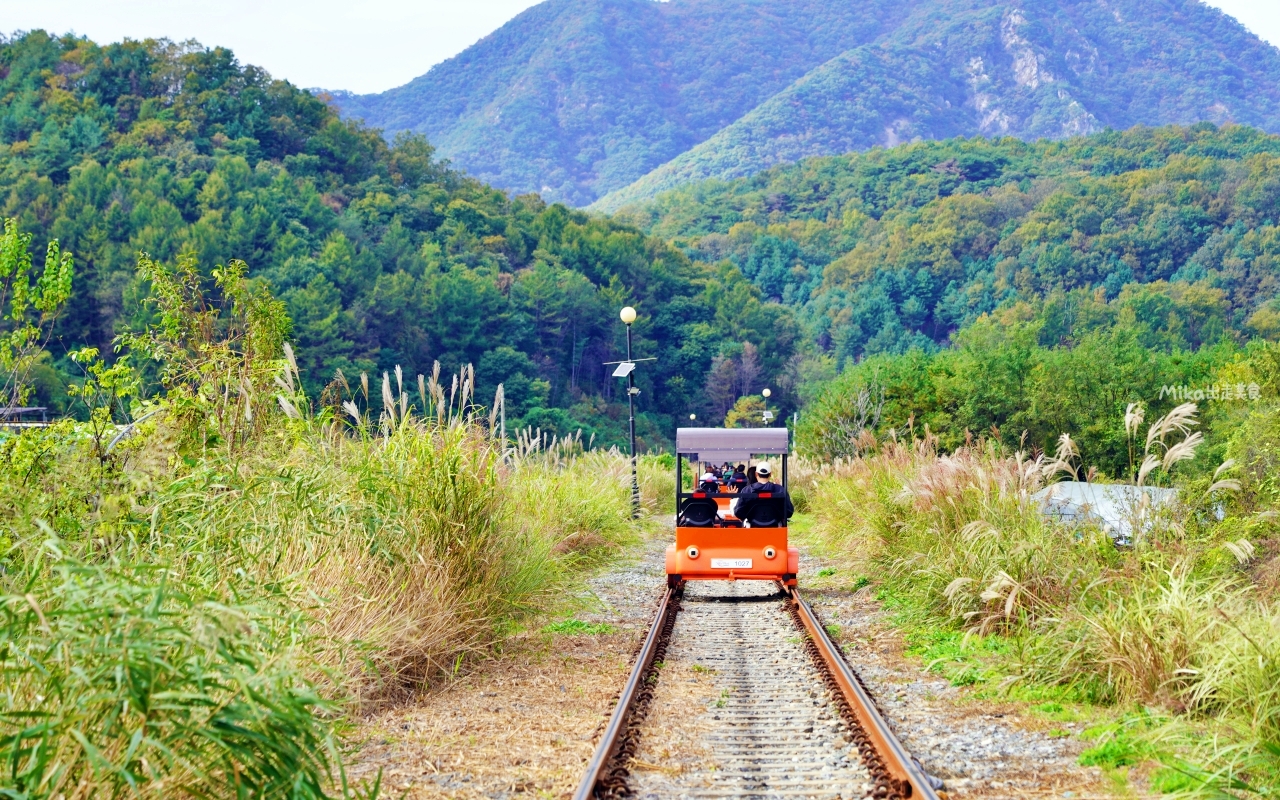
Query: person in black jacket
[[749, 497], [738, 479]]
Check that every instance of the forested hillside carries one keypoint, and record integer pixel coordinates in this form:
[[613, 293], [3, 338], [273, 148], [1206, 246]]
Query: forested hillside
[[1137, 249], [1154, 240], [577, 99], [896, 248], [382, 256]]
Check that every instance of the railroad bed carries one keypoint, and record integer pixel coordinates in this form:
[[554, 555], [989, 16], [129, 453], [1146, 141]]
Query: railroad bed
[[787, 718]]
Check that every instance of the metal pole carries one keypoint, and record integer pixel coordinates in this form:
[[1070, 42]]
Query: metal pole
[[631, 406], [679, 480]]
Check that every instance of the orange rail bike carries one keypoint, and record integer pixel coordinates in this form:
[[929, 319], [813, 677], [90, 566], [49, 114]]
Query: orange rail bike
[[711, 542]]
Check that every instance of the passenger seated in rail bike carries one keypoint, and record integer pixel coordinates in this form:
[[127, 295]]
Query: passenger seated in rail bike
[[709, 483], [701, 510], [763, 504], [737, 481]]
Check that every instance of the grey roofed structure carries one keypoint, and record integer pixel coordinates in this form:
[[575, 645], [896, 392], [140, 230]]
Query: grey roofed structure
[[19, 410], [1121, 510], [731, 444]]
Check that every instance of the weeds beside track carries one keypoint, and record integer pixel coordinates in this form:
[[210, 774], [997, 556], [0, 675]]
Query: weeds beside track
[[204, 622]]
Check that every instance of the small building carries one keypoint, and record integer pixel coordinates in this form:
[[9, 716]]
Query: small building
[[1121, 510]]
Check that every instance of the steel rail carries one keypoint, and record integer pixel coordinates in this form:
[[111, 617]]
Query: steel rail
[[909, 780], [614, 733], [899, 773]]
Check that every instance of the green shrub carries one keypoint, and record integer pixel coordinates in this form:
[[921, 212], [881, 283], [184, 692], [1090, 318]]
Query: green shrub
[[324, 568]]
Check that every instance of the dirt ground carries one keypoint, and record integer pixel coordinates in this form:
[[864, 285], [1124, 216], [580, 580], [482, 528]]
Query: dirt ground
[[524, 724]]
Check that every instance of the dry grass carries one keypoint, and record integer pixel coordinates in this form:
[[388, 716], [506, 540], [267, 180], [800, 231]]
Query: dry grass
[[1173, 624], [330, 567]]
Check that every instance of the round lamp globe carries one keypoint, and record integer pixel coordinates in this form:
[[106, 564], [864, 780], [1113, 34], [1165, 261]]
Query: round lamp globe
[[628, 315]]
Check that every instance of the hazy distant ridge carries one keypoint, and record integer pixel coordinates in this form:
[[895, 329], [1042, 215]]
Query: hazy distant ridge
[[577, 99]]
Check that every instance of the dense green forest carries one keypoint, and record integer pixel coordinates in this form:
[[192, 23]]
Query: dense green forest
[[898, 248], [1157, 246], [578, 99], [1150, 249], [383, 255]]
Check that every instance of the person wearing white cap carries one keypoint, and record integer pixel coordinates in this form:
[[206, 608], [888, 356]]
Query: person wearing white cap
[[708, 483], [750, 495]]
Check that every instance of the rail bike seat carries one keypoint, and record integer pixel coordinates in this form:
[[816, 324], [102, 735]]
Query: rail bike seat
[[699, 511], [767, 512]]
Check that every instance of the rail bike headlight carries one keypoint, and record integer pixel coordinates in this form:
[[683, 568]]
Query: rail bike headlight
[[770, 551], [692, 551]]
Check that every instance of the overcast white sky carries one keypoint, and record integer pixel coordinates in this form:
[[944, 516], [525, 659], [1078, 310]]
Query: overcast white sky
[[358, 45]]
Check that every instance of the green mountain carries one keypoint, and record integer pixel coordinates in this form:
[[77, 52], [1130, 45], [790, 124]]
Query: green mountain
[[382, 255], [385, 256], [574, 98], [611, 101], [1173, 230]]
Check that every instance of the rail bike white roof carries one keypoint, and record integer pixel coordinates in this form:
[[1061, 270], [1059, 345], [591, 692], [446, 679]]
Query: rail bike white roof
[[731, 444]]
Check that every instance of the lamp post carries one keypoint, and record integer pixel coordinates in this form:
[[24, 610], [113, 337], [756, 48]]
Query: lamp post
[[767, 415], [628, 316], [626, 369]]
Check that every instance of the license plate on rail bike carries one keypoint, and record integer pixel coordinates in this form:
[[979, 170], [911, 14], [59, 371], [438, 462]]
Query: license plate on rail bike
[[731, 563]]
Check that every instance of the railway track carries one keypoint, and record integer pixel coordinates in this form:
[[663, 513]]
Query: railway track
[[790, 718]]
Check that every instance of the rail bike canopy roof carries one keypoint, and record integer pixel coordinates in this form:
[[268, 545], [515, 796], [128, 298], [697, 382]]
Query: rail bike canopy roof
[[731, 444]]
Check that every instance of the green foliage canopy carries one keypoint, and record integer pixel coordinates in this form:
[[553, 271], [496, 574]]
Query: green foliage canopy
[[382, 254]]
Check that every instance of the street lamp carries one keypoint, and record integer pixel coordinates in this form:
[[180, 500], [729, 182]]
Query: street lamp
[[628, 316], [767, 415], [627, 369], [693, 417]]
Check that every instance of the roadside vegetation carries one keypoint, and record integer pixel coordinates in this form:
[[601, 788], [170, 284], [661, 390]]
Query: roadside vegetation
[[1178, 634], [197, 602]]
